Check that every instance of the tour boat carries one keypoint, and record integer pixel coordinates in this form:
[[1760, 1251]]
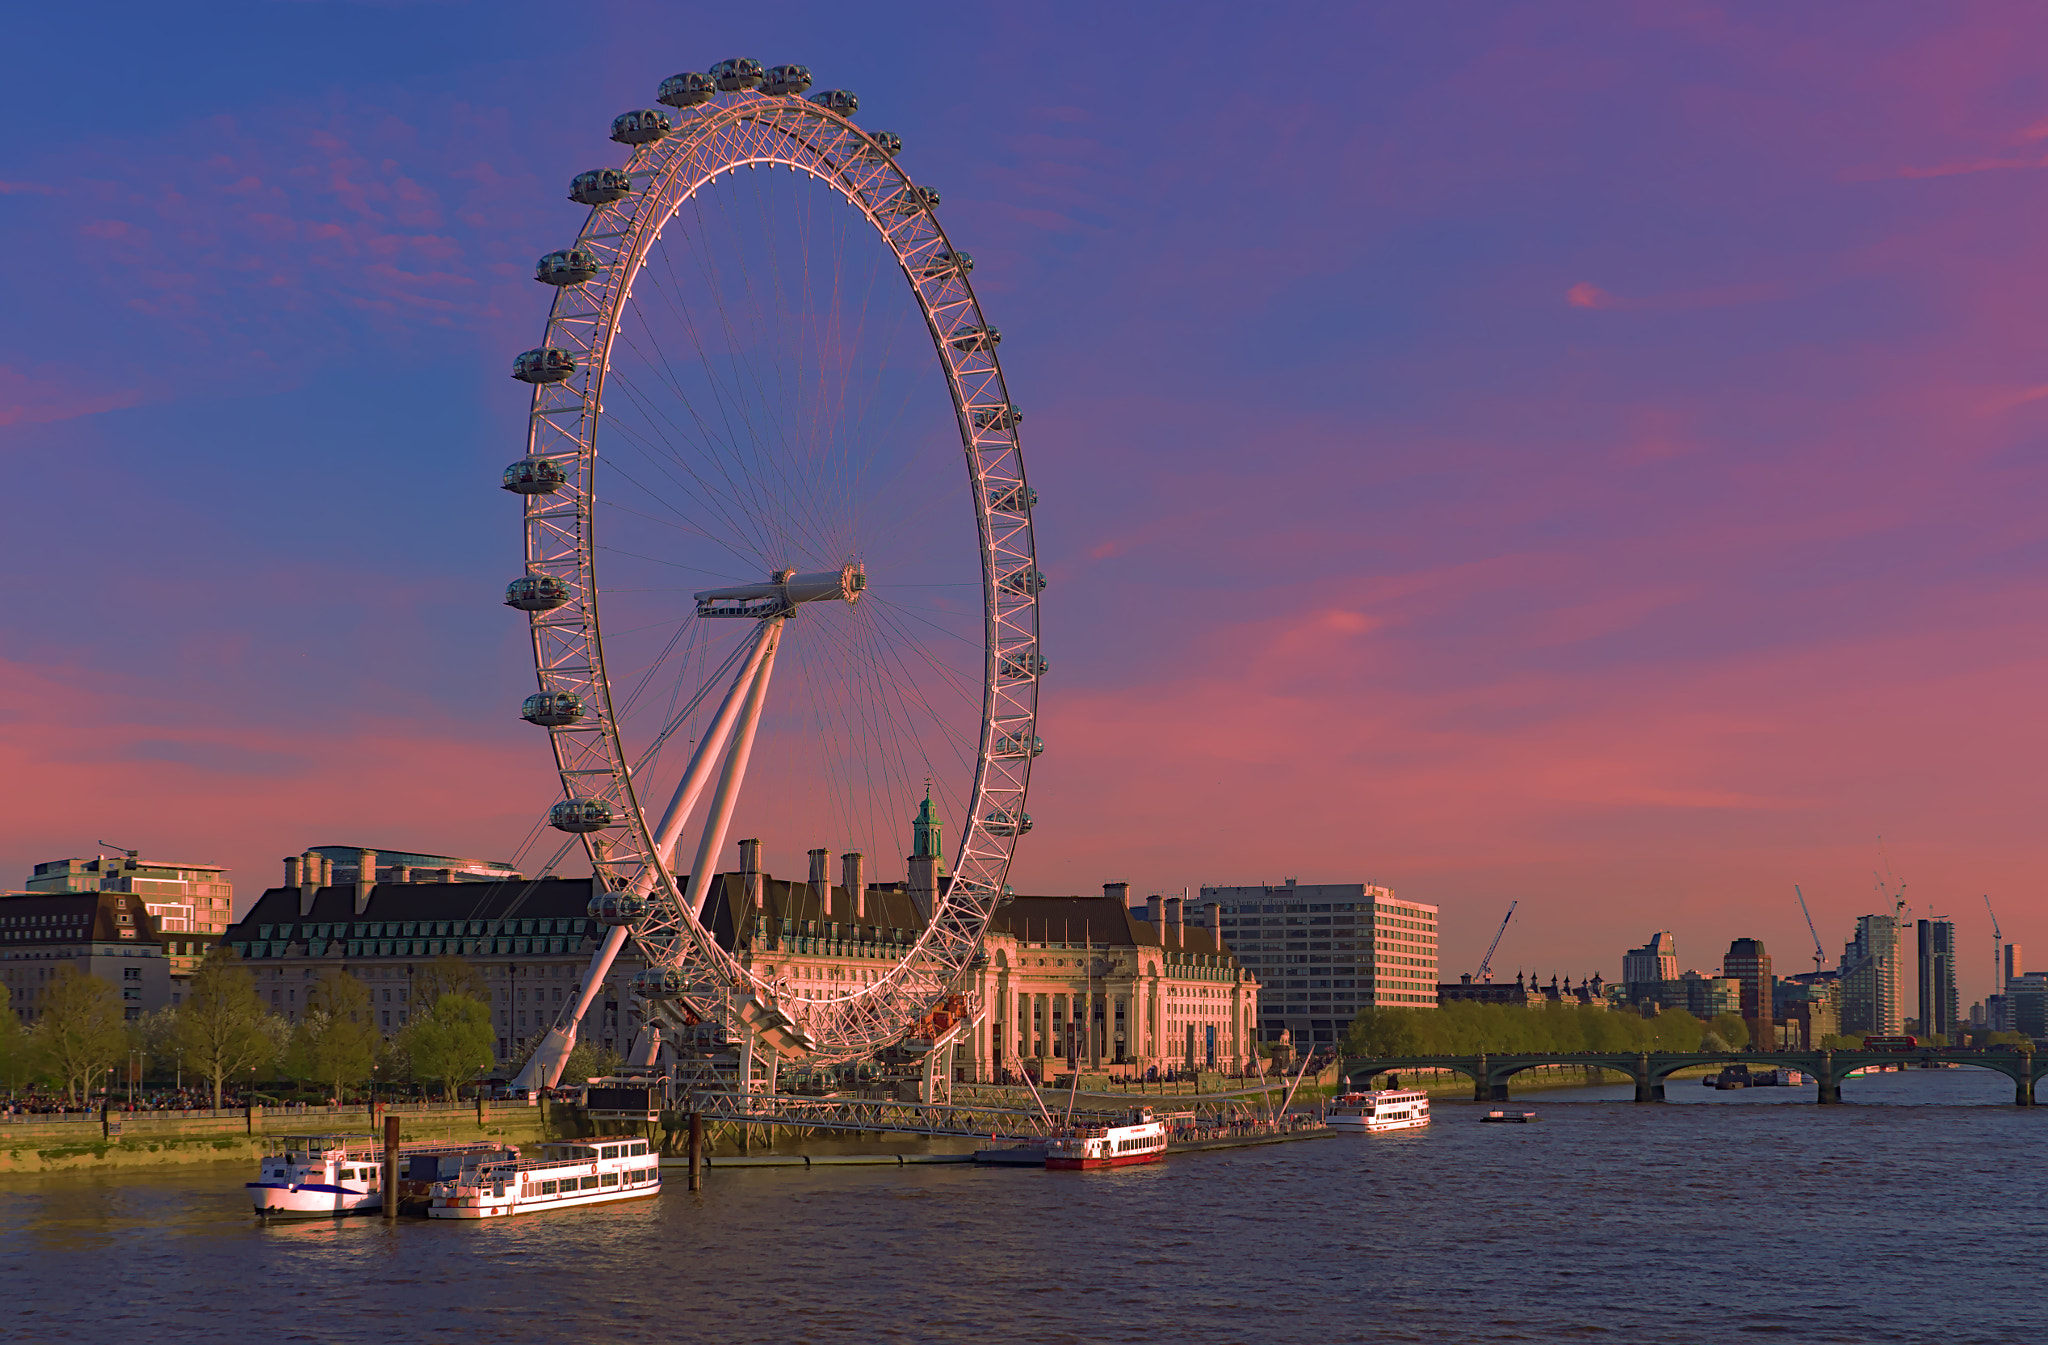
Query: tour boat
[[1138, 1138], [1510, 1117], [1380, 1110], [581, 1172], [316, 1176]]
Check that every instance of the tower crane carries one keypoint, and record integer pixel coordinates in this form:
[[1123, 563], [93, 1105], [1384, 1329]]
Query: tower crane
[[1997, 948], [1818, 955], [1486, 964]]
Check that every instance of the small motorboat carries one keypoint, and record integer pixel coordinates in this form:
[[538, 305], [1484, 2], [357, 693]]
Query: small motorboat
[[1509, 1117]]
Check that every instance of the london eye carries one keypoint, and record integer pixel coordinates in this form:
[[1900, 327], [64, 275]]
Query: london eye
[[779, 567]]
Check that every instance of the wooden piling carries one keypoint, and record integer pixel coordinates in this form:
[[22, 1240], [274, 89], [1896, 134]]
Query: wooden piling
[[696, 1151], [390, 1167]]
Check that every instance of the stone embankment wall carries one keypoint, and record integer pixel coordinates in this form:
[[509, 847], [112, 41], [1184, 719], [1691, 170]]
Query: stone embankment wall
[[151, 1139]]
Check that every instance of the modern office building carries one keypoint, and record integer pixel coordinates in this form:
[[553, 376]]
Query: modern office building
[[1872, 1003], [1937, 978], [105, 934], [1648, 967], [1997, 1008], [2026, 1005], [189, 905], [334, 864], [1807, 1007], [1748, 964], [1323, 951]]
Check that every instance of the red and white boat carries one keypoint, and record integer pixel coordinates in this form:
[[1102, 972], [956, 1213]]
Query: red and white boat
[[1137, 1139]]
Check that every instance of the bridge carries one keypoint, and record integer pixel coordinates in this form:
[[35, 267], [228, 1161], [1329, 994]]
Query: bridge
[[1649, 1070]]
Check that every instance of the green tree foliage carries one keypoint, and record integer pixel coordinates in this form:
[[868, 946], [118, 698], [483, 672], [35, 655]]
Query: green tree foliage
[[336, 1042], [1730, 1028], [1466, 1028], [451, 1041], [448, 975], [222, 1029], [79, 1034], [12, 1051], [589, 1062]]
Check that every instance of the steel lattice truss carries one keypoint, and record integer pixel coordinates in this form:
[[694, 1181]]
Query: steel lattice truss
[[730, 132]]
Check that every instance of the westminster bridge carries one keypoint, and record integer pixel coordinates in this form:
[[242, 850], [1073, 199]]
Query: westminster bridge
[[1649, 1070]]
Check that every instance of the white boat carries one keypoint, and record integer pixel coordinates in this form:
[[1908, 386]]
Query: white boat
[[1380, 1110], [1138, 1138], [579, 1172], [321, 1176]]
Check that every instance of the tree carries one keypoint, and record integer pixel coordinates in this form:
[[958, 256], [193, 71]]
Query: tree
[[1730, 1028], [336, 1042], [590, 1062], [1382, 1032], [11, 1045], [448, 975], [451, 1041], [222, 1027], [80, 1033]]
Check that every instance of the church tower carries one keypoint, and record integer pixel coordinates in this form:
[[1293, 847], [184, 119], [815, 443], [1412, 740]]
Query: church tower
[[927, 863]]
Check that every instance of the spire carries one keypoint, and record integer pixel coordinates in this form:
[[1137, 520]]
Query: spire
[[925, 840]]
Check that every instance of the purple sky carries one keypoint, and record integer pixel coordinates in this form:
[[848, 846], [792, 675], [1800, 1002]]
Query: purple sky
[[1590, 460]]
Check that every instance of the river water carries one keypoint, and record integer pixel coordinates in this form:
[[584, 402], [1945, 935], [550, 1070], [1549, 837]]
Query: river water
[[1906, 1214]]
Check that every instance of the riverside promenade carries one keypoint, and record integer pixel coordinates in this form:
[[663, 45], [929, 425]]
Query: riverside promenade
[[36, 1143]]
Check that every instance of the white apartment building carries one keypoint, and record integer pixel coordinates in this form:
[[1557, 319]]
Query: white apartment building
[[1323, 951]]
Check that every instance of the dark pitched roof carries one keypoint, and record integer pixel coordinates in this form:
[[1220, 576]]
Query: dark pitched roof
[[1101, 920], [541, 897]]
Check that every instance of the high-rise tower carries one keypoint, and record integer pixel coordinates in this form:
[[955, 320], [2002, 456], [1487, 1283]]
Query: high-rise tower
[[1937, 977]]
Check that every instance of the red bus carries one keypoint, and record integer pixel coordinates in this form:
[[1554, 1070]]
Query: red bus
[[1890, 1043]]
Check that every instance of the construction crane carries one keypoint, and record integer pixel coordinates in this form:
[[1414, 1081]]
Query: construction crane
[[1818, 955], [1486, 964], [1997, 951]]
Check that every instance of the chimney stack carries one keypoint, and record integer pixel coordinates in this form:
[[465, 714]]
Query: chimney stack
[[1173, 905], [1120, 893], [401, 873], [1155, 913], [853, 878], [291, 870], [821, 882], [756, 895], [309, 882], [366, 878]]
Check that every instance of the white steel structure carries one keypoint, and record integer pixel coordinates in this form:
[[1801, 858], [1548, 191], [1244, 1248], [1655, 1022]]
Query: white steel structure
[[734, 405]]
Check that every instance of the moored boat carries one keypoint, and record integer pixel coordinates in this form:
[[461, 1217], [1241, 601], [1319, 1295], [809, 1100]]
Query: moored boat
[[322, 1176], [1138, 1138], [580, 1172], [1510, 1117], [1380, 1110]]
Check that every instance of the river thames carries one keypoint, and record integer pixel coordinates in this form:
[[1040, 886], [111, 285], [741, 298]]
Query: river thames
[[1902, 1215]]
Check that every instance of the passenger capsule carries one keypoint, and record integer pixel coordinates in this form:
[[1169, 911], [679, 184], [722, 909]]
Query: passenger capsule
[[841, 101], [1025, 581], [613, 909], [1015, 500], [546, 365], [552, 709], [737, 74], [1004, 417], [580, 815], [1023, 667], [977, 338], [1015, 745], [788, 79], [881, 145], [911, 200], [571, 266], [537, 593], [535, 476], [659, 983], [944, 263], [641, 126], [687, 89], [599, 186], [999, 824]]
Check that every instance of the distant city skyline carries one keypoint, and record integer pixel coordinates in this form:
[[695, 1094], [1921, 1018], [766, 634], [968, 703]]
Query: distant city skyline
[[1588, 461]]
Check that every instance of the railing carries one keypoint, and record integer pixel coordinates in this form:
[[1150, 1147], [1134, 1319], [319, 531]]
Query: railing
[[266, 1111]]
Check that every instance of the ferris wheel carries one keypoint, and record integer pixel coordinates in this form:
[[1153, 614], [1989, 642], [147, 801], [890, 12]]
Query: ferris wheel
[[742, 450]]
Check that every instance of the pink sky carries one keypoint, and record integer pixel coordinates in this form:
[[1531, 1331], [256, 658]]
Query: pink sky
[[1594, 461]]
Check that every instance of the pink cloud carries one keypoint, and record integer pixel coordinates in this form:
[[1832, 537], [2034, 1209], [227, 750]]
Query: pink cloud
[[50, 393]]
